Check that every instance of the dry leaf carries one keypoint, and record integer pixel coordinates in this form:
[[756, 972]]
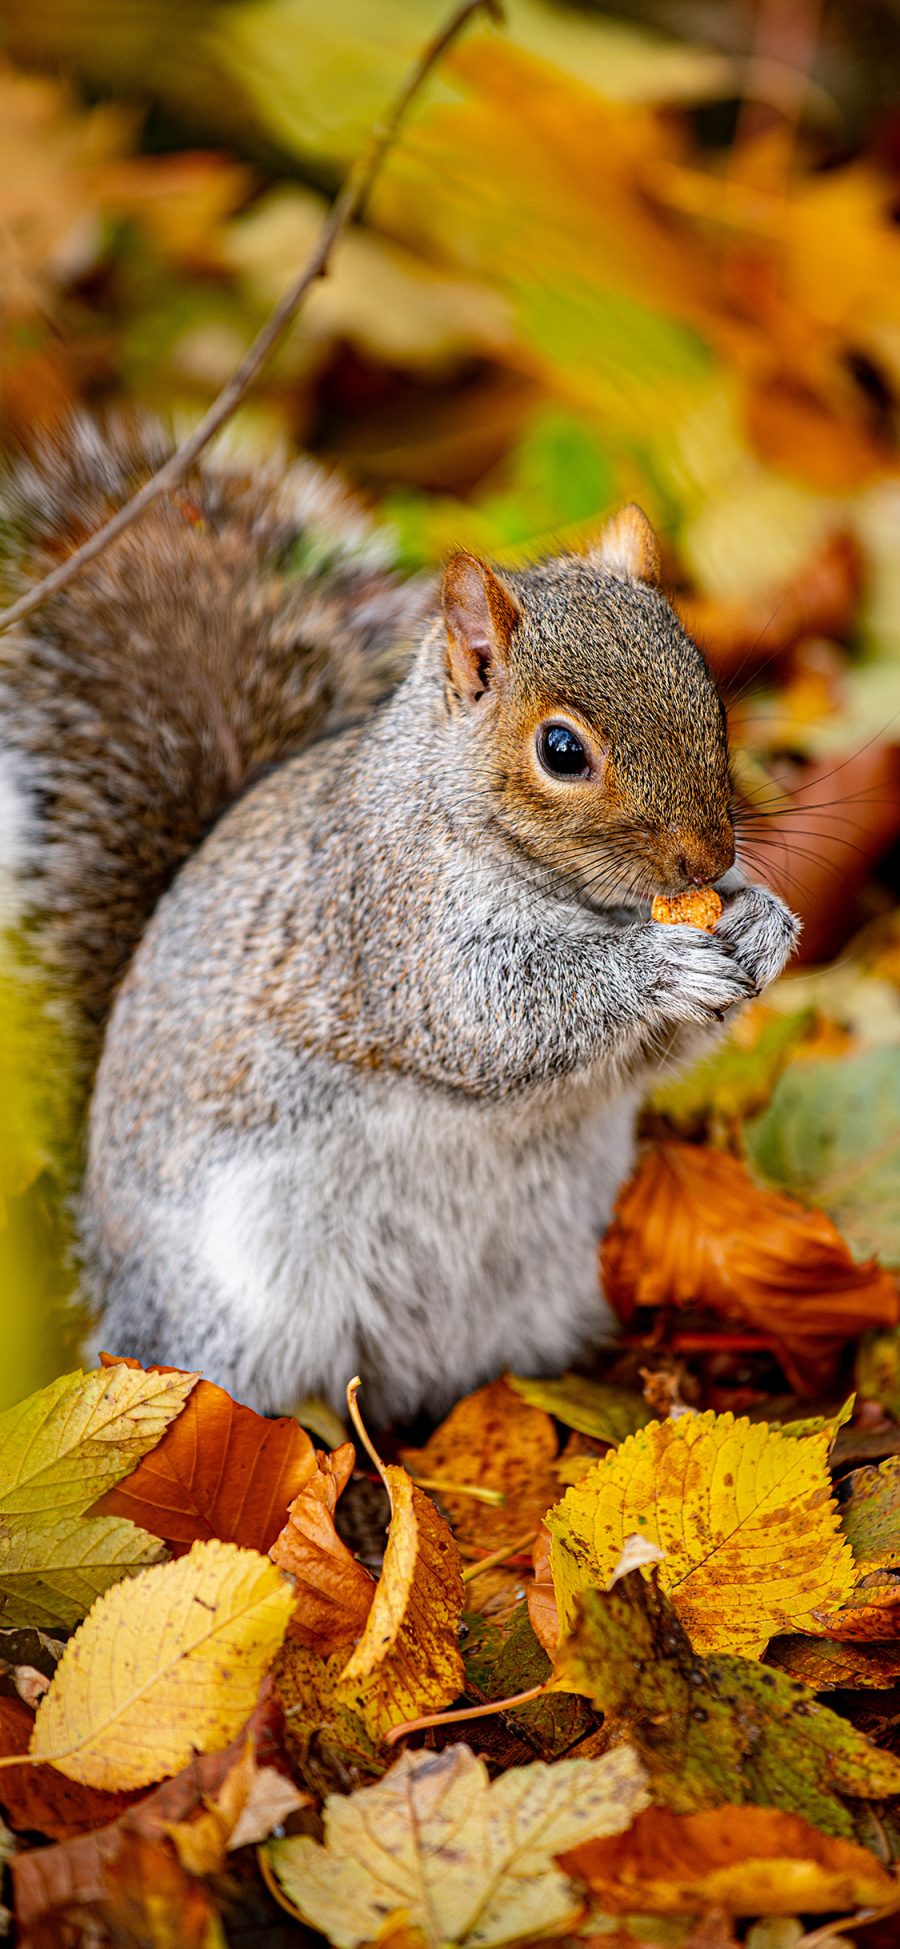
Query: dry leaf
[[746, 1860], [220, 1471], [407, 1659], [41, 1799], [166, 1665], [490, 1441], [466, 1860], [251, 1801], [719, 1729], [871, 1614], [829, 1666], [61, 1448], [691, 1228], [744, 1514], [333, 1592]]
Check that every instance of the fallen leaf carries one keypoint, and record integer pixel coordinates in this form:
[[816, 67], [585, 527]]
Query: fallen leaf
[[746, 1860], [505, 1658], [593, 1407], [52, 1571], [490, 1441], [166, 1665], [39, 1798], [744, 1515], [333, 1591], [831, 1134], [219, 1471], [251, 1801], [106, 1888], [871, 1613], [692, 1228], [718, 1729], [541, 1596], [61, 1448], [826, 1665], [468, 1861], [870, 1514], [737, 1079], [407, 1659]]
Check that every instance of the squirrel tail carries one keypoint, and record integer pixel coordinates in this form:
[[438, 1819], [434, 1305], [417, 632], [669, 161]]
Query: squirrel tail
[[246, 613]]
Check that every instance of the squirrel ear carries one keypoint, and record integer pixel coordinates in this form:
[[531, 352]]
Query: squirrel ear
[[480, 614], [628, 546]]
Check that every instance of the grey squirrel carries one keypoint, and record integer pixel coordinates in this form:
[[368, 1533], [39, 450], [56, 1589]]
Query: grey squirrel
[[366, 965]]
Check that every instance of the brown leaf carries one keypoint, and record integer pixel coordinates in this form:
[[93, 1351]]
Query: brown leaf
[[219, 1471], [827, 1665], [491, 1440], [334, 1591], [747, 1860], [251, 1801], [39, 1798], [692, 1228], [542, 1605]]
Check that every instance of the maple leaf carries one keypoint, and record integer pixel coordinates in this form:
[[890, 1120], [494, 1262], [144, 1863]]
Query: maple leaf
[[61, 1448], [466, 1860], [745, 1860], [221, 1471], [744, 1515], [490, 1441], [718, 1729], [692, 1228], [166, 1665], [334, 1591]]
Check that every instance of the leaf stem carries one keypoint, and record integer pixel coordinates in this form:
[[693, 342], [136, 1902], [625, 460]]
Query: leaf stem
[[430, 1719], [499, 1556], [353, 1388]]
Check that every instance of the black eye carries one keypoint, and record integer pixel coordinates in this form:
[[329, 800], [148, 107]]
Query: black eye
[[561, 752]]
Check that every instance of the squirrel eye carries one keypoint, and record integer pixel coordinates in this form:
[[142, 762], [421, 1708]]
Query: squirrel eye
[[561, 752]]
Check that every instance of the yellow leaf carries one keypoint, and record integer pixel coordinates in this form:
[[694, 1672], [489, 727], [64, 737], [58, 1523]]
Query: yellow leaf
[[407, 1660], [52, 1571], [744, 1515], [466, 1860], [491, 1440], [167, 1665], [61, 1449]]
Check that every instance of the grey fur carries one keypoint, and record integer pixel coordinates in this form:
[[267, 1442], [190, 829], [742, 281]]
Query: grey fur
[[369, 1085]]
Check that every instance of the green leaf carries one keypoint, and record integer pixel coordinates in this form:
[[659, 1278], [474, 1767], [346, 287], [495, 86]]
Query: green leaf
[[504, 1657], [870, 1514], [63, 1447], [51, 1570], [831, 1136], [720, 1730], [590, 1406], [736, 1080]]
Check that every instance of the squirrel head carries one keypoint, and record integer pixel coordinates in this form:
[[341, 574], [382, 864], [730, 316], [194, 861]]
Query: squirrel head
[[592, 716]]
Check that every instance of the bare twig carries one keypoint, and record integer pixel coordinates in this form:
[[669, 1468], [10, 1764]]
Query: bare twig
[[349, 202]]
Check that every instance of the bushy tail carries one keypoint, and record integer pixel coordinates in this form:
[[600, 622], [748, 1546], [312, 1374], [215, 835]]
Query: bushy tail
[[246, 613]]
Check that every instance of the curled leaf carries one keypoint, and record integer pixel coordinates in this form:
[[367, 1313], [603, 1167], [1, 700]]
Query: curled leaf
[[333, 1591], [691, 1228]]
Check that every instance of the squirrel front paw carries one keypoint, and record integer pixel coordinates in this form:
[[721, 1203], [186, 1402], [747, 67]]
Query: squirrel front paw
[[695, 976], [761, 933]]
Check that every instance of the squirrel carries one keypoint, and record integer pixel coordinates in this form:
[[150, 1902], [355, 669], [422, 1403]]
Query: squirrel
[[348, 878]]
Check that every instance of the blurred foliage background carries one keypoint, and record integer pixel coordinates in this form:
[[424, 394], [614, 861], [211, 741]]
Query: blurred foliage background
[[640, 251]]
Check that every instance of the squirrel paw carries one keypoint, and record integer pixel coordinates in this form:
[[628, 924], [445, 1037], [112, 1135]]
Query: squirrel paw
[[761, 933], [696, 976]]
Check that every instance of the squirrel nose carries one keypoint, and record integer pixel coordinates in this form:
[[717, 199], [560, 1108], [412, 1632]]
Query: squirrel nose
[[705, 860]]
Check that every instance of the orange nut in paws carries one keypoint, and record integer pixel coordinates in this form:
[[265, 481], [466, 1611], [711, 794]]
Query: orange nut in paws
[[700, 909]]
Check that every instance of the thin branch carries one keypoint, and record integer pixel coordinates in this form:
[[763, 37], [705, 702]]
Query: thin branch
[[349, 202]]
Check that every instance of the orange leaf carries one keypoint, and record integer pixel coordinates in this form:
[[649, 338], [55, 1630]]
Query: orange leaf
[[334, 1592], [691, 1228], [39, 1798], [491, 1440], [219, 1471], [747, 1860]]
